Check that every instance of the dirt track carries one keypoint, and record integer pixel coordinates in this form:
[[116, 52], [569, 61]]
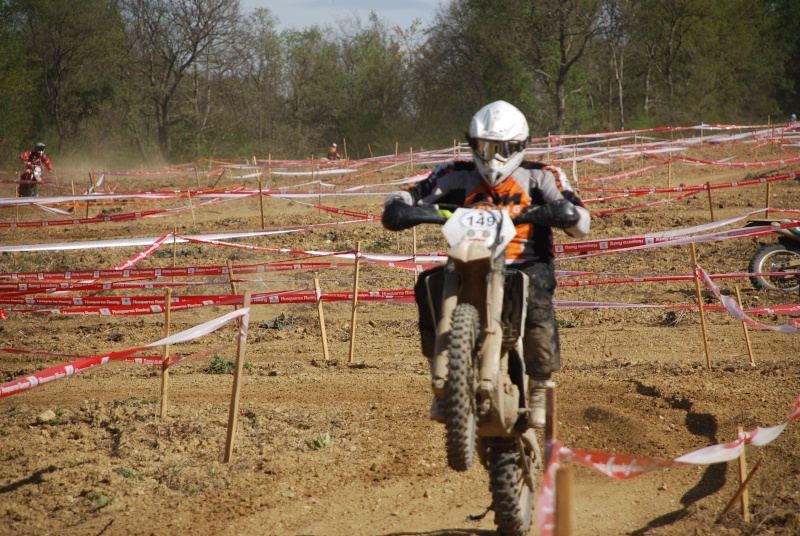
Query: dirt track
[[106, 463]]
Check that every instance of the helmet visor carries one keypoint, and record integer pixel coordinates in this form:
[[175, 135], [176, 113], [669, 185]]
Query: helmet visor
[[502, 150]]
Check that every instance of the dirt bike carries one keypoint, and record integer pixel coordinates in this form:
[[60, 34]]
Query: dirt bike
[[33, 179], [774, 258], [478, 368]]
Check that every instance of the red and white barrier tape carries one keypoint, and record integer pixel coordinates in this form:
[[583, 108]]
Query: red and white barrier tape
[[625, 466], [68, 369]]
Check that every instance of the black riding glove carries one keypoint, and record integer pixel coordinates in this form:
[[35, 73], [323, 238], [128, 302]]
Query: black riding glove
[[560, 214], [398, 216]]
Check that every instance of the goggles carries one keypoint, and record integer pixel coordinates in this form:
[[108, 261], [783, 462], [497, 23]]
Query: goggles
[[488, 149]]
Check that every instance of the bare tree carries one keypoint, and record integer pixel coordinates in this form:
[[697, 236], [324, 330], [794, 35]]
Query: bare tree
[[555, 34], [73, 44], [168, 38], [617, 16]]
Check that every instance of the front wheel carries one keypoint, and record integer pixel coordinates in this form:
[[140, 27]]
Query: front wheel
[[512, 497], [774, 258], [460, 411]]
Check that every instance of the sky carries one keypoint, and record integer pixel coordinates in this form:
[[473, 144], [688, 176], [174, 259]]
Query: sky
[[300, 14]]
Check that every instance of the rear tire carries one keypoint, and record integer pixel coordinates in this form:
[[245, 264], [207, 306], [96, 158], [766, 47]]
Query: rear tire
[[512, 499], [773, 258], [460, 411]]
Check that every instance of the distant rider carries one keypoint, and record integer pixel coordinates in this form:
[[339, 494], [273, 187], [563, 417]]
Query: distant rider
[[333, 153], [33, 158], [538, 198]]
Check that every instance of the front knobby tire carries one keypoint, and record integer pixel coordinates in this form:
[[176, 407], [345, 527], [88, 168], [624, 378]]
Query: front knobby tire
[[773, 258], [512, 499], [460, 411]]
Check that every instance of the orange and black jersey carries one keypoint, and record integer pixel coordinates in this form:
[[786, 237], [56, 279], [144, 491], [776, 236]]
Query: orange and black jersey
[[533, 183]]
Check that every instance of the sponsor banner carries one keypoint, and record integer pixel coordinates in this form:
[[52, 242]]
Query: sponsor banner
[[267, 298], [185, 271], [654, 242], [82, 221]]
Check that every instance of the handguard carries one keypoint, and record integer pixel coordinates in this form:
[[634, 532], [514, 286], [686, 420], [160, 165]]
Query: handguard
[[398, 216], [561, 214]]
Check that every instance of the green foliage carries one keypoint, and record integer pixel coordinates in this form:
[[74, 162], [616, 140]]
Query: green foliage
[[131, 81], [125, 473], [101, 498], [564, 323], [224, 366], [139, 402], [320, 442]]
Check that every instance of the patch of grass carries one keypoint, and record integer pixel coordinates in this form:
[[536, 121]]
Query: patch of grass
[[102, 500], [224, 366], [139, 402], [320, 442], [379, 243], [126, 473], [562, 323]]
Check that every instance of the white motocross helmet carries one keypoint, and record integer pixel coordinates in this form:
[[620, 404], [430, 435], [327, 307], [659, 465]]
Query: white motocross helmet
[[498, 135]]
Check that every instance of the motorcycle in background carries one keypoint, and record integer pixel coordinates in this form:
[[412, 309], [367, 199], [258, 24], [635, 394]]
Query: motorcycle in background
[[32, 178], [775, 258]]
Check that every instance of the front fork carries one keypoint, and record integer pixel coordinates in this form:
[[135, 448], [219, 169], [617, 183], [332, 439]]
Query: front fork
[[441, 357]]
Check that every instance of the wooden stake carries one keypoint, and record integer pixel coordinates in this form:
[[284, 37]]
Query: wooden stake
[[710, 202], [575, 160], [669, 176], [318, 293], [370, 150], [548, 147], [191, 207], [174, 245], [745, 496], [165, 358], [564, 501], [742, 489], [550, 423], [700, 305], [344, 143], [355, 303], [414, 252], [766, 204], [396, 148], [88, 193], [196, 176], [261, 202], [230, 278], [74, 203], [233, 413], [746, 333]]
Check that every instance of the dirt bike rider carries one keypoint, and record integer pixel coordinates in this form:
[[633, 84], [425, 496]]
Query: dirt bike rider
[[33, 158], [538, 198], [333, 153]]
